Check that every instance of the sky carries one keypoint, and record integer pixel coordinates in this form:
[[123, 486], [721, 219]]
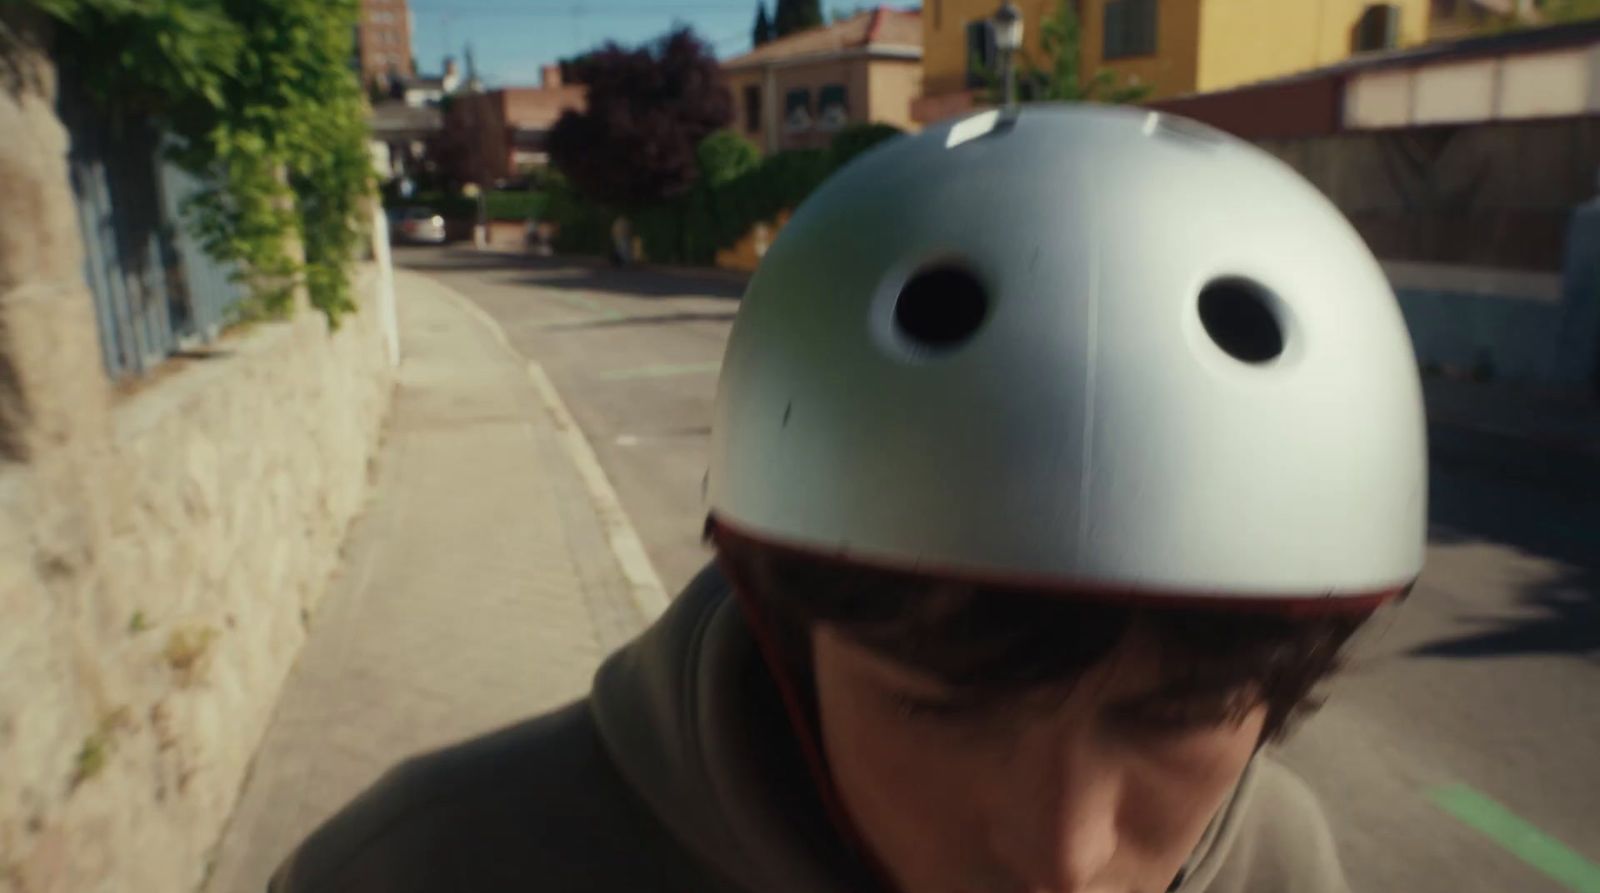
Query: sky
[[511, 38]]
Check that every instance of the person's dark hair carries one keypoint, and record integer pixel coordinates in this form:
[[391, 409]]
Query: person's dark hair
[[1000, 640]]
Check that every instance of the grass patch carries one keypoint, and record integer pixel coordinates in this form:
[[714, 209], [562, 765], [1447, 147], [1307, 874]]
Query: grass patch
[[92, 755], [188, 652]]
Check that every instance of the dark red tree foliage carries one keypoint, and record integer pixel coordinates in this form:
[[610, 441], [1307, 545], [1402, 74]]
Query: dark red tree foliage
[[648, 107]]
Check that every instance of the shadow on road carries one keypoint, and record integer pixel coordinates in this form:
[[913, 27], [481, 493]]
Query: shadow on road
[[446, 259], [1561, 616], [1541, 499], [1538, 500], [1549, 523], [580, 273], [660, 319], [641, 283]]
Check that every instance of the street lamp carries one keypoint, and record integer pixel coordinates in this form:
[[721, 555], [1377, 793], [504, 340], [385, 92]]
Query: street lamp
[[1007, 25]]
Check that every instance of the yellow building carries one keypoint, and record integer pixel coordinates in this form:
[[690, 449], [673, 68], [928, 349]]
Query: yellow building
[[1174, 46]]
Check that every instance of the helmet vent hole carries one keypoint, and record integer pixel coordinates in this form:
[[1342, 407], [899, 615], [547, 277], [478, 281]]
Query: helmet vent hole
[[941, 307], [1239, 317]]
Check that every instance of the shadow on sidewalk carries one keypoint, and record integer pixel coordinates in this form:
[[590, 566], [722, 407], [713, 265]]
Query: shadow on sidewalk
[[660, 319]]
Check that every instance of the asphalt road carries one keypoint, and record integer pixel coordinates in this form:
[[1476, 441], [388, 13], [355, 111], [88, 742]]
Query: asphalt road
[[1460, 752]]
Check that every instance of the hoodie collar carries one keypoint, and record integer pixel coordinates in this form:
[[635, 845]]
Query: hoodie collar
[[694, 722]]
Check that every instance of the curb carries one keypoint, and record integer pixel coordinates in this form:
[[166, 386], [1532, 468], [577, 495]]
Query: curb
[[644, 586]]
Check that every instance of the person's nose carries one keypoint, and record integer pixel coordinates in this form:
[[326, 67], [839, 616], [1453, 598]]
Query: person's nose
[[1058, 833]]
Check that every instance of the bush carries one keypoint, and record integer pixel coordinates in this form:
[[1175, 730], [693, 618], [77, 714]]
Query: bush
[[582, 227], [738, 190], [858, 138], [515, 205], [519, 205], [691, 228], [724, 155], [454, 207]]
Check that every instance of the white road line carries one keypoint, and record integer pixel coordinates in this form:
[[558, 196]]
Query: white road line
[[649, 596], [648, 593]]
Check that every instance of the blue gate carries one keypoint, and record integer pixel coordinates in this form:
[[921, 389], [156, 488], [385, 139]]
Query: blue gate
[[156, 290]]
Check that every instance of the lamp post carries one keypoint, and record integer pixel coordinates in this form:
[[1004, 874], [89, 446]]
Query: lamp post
[[1007, 24]]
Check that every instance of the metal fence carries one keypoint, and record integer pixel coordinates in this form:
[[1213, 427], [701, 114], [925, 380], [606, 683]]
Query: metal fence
[[156, 290]]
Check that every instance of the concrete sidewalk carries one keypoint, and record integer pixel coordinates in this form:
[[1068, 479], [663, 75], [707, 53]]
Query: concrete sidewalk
[[481, 586]]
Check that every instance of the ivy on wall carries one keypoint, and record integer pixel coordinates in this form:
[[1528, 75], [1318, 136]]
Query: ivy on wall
[[263, 106]]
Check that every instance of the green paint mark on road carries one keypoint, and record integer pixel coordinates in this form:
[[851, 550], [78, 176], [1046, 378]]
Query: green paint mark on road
[[1526, 842], [663, 371]]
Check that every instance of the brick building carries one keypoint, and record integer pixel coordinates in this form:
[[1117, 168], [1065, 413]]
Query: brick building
[[383, 41], [489, 136]]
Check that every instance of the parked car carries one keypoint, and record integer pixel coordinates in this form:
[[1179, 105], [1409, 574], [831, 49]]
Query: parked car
[[422, 225]]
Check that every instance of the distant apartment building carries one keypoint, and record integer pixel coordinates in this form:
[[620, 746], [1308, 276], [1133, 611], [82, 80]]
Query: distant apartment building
[[796, 91], [383, 41]]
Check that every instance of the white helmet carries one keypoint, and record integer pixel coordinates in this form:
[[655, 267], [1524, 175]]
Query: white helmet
[[1081, 347]]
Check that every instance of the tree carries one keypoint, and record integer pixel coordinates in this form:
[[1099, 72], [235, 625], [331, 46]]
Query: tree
[[1560, 11], [857, 138], [648, 108], [724, 155], [1524, 14], [797, 15], [1061, 78], [763, 29]]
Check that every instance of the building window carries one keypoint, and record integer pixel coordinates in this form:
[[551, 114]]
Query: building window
[[833, 107], [1377, 29], [1130, 28], [980, 53], [752, 108], [797, 110]]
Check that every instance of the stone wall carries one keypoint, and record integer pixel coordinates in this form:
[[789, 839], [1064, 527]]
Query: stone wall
[[161, 552]]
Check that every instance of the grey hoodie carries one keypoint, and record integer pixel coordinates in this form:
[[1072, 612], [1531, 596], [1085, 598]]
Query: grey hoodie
[[679, 773]]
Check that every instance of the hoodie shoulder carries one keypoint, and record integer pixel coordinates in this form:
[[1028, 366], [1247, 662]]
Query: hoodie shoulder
[[535, 806], [1279, 840]]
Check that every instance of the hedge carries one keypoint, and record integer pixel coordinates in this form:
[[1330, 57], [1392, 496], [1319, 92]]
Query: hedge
[[712, 215], [499, 205]]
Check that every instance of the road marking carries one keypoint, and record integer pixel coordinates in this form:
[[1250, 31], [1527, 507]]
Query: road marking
[[649, 596], [643, 584], [1523, 840], [662, 371]]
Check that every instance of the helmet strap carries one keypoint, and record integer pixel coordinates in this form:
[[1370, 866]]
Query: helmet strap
[[803, 718]]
